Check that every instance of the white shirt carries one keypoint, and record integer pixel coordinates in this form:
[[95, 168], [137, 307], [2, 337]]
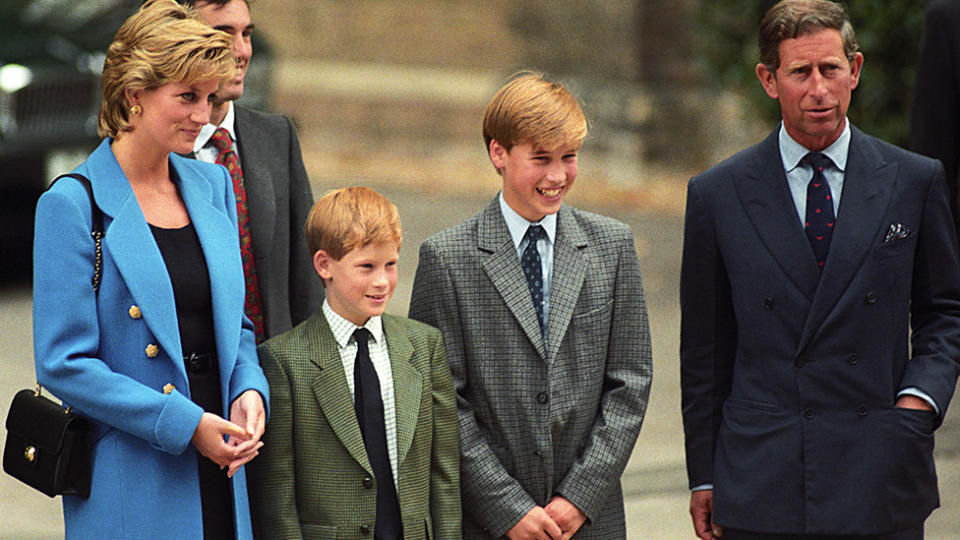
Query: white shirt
[[799, 173], [343, 333], [204, 150], [518, 225]]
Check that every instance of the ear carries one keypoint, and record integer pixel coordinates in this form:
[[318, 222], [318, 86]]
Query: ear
[[133, 96], [855, 65], [768, 79], [498, 155], [321, 263]]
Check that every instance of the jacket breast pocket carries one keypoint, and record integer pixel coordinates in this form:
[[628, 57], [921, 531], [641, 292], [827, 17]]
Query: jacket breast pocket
[[896, 248]]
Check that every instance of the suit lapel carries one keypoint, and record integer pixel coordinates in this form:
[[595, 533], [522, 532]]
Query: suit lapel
[[407, 385], [502, 266], [331, 390], [867, 186], [134, 251], [763, 191], [256, 161], [569, 271]]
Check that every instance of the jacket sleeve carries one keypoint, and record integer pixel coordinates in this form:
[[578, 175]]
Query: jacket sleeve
[[67, 332], [708, 338], [494, 498], [445, 459], [626, 389], [935, 302]]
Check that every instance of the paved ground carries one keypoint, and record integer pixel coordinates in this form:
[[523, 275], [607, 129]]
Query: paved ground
[[655, 478]]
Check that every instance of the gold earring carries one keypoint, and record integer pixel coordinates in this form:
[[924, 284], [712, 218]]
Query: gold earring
[[136, 109]]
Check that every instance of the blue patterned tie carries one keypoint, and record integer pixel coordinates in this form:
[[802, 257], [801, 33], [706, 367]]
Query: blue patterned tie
[[533, 270], [820, 218]]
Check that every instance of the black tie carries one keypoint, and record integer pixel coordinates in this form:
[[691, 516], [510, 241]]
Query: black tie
[[820, 218], [533, 270], [368, 405]]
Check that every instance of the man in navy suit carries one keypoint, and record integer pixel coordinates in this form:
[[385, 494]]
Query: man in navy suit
[[820, 295]]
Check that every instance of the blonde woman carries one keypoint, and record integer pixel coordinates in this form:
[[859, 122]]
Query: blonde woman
[[161, 358]]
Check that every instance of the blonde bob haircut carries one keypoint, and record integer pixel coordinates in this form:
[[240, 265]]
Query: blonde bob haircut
[[163, 42], [531, 109], [350, 218]]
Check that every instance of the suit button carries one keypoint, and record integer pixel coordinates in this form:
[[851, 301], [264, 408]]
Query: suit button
[[852, 359], [871, 298], [862, 410], [542, 398], [801, 362], [768, 303], [368, 482], [152, 351], [135, 312], [365, 530], [808, 413]]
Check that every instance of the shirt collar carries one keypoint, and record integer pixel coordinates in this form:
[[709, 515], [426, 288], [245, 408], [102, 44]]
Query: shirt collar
[[791, 152], [518, 225], [207, 130], [343, 329]]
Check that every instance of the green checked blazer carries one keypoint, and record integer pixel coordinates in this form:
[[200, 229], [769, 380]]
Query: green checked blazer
[[312, 479]]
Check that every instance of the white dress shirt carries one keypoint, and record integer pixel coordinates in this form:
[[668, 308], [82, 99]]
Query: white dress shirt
[[343, 333]]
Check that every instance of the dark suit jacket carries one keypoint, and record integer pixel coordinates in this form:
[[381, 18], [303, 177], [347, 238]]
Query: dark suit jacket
[[279, 199], [312, 478], [935, 118], [789, 377], [540, 419]]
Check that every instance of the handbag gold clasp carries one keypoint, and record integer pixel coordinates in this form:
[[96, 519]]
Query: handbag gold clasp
[[30, 453]]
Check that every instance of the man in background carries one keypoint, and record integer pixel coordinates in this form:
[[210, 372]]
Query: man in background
[[262, 152]]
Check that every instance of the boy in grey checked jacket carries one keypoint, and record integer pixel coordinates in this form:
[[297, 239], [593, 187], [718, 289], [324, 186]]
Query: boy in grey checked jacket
[[542, 311]]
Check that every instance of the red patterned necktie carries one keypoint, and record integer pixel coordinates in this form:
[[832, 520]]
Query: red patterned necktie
[[253, 306]]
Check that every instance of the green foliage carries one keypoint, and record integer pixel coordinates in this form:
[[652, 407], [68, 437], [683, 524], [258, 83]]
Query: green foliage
[[889, 35]]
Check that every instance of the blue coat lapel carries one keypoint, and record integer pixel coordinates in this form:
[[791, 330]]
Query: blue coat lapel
[[131, 245], [867, 186], [219, 239], [763, 191]]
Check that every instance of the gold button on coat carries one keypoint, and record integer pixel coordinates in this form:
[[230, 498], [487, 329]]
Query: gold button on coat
[[135, 312], [167, 388], [152, 351]]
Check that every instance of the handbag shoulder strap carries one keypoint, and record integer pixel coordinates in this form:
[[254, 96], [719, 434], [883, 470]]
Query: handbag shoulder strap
[[96, 229]]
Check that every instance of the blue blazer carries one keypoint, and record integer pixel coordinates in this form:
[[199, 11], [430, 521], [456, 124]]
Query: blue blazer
[[790, 377], [116, 357]]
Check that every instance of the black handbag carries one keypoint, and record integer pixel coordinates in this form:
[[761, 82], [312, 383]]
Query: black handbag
[[48, 446]]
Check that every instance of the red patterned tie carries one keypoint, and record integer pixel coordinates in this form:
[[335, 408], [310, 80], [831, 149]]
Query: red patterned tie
[[253, 306]]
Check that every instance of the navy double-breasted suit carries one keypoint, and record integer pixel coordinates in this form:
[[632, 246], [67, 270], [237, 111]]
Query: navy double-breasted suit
[[790, 377]]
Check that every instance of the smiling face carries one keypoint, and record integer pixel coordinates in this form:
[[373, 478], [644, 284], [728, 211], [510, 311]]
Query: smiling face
[[172, 114], [361, 282], [813, 85], [234, 19], [535, 179]]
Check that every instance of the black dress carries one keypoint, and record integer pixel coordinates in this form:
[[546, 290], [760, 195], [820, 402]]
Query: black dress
[[187, 267]]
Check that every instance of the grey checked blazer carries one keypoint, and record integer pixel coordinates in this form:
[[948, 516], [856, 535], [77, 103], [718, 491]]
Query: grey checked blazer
[[279, 198], [540, 419]]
